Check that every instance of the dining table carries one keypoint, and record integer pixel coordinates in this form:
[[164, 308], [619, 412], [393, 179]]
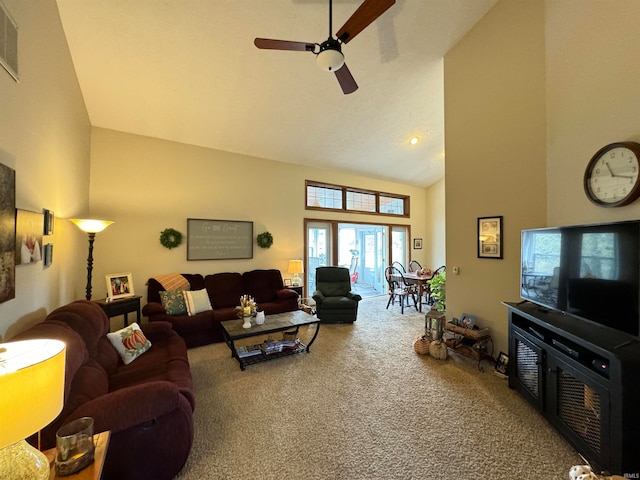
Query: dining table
[[421, 280]]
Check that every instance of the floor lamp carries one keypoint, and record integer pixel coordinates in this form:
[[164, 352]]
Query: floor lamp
[[31, 396], [91, 227]]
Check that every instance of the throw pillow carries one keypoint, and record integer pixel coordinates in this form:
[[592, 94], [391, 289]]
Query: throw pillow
[[130, 342], [173, 302], [197, 301]]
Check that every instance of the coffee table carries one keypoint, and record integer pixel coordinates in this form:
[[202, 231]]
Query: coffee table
[[279, 322]]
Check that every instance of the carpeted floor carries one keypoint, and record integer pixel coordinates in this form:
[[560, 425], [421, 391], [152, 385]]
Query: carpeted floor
[[363, 405]]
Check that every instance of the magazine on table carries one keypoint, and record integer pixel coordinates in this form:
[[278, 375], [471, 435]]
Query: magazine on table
[[248, 350]]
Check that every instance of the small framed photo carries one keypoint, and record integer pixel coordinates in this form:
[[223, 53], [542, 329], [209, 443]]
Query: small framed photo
[[119, 285], [502, 363], [490, 237], [467, 321], [417, 243], [47, 254], [287, 282], [48, 222]]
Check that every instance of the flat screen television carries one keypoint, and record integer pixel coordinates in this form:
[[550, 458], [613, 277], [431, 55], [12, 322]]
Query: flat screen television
[[589, 271]]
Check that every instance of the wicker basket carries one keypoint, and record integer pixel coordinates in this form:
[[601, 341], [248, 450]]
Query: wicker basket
[[421, 345]]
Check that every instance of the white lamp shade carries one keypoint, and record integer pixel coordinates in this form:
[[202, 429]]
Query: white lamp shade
[[31, 387], [330, 60], [89, 225]]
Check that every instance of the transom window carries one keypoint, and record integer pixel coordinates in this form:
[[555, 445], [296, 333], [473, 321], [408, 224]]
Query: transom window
[[322, 196]]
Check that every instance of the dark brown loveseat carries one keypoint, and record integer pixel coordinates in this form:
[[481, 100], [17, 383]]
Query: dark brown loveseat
[[224, 290], [147, 405]]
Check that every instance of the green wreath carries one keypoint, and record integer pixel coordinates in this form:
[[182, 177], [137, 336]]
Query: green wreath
[[170, 238], [265, 240]]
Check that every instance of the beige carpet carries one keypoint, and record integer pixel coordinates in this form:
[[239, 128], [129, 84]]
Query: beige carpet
[[363, 405]]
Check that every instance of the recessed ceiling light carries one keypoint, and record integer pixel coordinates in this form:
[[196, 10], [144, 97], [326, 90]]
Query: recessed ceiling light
[[414, 140]]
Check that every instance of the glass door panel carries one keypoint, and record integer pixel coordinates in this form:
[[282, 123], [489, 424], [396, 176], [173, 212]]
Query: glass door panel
[[319, 251]]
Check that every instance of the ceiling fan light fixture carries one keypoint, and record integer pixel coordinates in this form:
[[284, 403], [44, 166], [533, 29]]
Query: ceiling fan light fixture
[[330, 60]]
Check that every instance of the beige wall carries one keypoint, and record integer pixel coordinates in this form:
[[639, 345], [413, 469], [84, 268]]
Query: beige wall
[[593, 99], [44, 137], [435, 240], [517, 145], [146, 185], [495, 155]]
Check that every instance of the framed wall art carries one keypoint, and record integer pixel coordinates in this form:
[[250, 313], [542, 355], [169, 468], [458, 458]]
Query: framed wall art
[[417, 243], [47, 254], [119, 285], [48, 222], [28, 237], [490, 237], [7, 233], [219, 239]]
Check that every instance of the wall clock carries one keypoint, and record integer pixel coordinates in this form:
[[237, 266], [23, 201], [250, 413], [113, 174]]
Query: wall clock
[[611, 178]]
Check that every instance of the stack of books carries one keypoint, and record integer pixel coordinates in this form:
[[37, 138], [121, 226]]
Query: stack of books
[[277, 346], [248, 351]]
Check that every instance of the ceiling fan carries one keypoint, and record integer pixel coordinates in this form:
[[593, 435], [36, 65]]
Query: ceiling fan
[[329, 53]]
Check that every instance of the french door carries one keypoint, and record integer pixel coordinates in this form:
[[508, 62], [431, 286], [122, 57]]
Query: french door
[[365, 249]]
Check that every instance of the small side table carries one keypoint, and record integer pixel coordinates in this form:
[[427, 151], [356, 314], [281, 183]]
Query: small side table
[[93, 471], [121, 306], [297, 289]]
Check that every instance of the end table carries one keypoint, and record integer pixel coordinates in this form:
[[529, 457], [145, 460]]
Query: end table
[[121, 306], [91, 472]]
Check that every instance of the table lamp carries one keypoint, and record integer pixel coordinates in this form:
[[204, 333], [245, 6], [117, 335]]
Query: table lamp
[[91, 227], [295, 267], [31, 396]]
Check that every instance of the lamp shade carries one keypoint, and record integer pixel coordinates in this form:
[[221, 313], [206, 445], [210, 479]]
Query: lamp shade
[[31, 387], [89, 225], [295, 266]]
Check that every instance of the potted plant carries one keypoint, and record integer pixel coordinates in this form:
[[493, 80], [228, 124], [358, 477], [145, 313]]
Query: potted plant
[[438, 291], [436, 317]]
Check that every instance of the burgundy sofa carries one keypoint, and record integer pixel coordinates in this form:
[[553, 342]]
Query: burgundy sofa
[[224, 290], [147, 405]]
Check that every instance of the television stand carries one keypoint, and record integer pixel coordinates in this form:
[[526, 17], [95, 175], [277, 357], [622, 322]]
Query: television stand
[[584, 378]]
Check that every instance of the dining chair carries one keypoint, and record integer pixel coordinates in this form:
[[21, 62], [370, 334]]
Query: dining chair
[[399, 288], [414, 266], [399, 266]]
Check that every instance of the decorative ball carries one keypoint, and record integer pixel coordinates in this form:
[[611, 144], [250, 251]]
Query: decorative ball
[[438, 350]]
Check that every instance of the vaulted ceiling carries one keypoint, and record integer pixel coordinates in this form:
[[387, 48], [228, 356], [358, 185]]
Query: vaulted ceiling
[[188, 71]]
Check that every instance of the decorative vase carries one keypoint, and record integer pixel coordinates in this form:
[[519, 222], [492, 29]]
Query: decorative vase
[[247, 322], [259, 318]]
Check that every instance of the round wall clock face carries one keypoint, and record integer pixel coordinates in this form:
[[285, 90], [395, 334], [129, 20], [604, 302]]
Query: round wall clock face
[[611, 178]]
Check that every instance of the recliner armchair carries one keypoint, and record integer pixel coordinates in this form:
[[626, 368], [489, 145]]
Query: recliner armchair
[[335, 303]]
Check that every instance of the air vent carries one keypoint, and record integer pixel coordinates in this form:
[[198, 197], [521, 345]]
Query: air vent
[[8, 43]]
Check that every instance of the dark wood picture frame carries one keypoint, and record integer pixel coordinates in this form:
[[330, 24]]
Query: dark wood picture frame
[[490, 237], [417, 243], [48, 222]]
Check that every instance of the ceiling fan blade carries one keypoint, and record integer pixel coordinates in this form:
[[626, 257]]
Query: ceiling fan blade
[[270, 44], [362, 18], [346, 80]]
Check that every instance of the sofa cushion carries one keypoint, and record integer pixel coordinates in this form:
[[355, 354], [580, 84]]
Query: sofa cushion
[[130, 342], [197, 301], [173, 302], [224, 289], [263, 284]]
